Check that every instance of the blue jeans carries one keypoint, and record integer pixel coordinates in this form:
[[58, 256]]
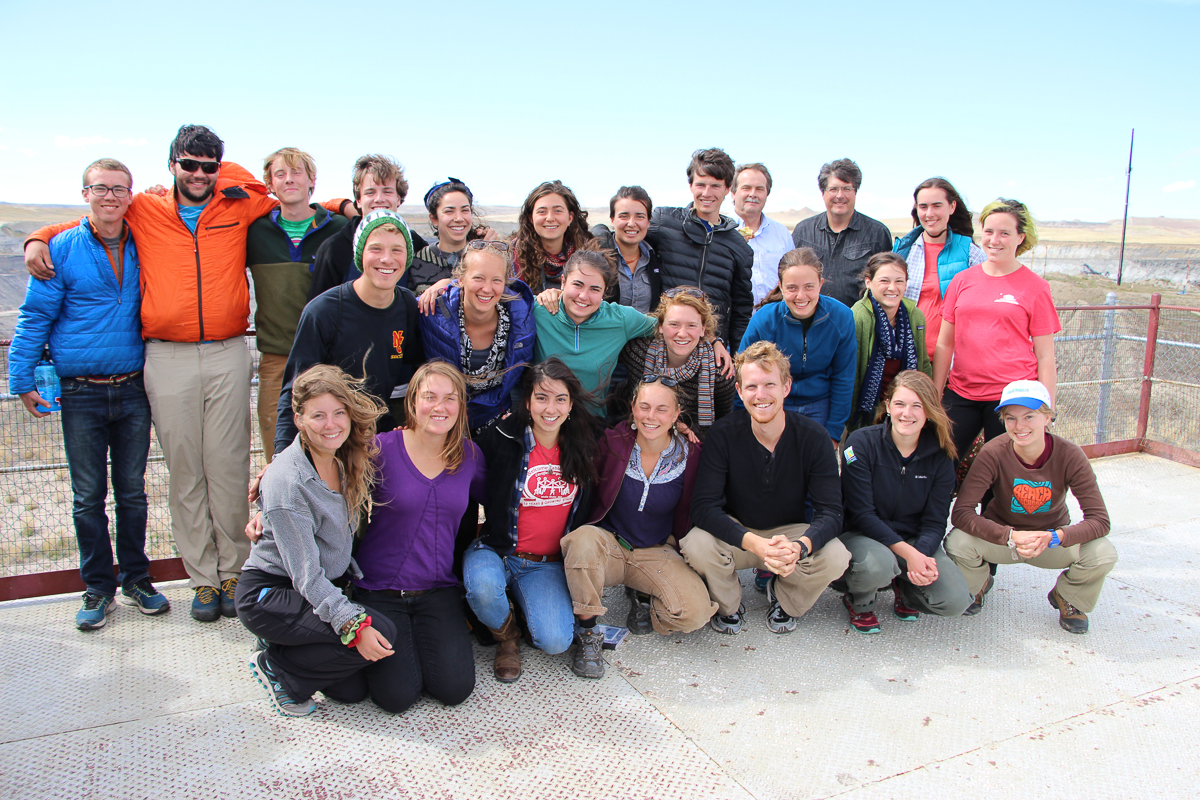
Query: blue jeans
[[540, 590], [817, 410], [98, 421]]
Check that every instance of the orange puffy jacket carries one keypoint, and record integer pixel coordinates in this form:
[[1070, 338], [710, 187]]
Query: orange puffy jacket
[[194, 286]]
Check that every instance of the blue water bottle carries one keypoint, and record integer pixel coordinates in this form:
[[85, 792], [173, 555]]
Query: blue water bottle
[[45, 378]]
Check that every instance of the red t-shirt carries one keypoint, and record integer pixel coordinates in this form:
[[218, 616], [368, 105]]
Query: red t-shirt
[[546, 501], [930, 301], [999, 316]]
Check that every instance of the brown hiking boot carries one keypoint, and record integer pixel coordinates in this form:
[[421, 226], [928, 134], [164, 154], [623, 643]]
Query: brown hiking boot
[[977, 604], [507, 667], [1070, 618]]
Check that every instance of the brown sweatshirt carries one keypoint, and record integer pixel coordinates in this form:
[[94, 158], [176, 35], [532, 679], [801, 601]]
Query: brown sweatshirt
[[1030, 499]]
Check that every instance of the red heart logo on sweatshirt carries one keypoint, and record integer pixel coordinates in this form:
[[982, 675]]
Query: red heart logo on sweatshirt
[[1031, 498]]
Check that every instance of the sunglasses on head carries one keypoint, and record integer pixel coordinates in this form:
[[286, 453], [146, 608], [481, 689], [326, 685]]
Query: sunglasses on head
[[668, 382], [191, 165], [690, 291], [480, 244]]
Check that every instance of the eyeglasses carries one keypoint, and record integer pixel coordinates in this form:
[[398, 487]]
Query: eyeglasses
[[100, 190], [191, 165], [836, 190], [480, 244], [690, 291], [668, 382]]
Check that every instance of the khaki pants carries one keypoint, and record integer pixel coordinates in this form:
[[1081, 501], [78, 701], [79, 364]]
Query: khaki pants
[[593, 559], [270, 383], [200, 403], [717, 562], [1084, 565]]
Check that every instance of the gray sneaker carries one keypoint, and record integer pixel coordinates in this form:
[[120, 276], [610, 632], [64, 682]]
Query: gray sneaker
[[778, 620], [728, 624], [271, 680], [586, 659], [638, 620]]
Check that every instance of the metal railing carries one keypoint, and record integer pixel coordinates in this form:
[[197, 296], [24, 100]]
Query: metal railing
[[1128, 381]]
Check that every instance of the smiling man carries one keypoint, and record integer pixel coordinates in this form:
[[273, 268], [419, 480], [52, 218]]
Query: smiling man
[[368, 327], [758, 466], [639, 268], [767, 238], [701, 247], [842, 237]]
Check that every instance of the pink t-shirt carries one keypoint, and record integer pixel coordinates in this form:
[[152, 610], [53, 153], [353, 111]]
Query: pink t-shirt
[[546, 501], [930, 301], [993, 344]]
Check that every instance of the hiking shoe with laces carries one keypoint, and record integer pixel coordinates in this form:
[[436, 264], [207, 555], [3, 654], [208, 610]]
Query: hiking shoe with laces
[[228, 589], [977, 604], [864, 621], [761, 577], [1070, 618], [778, 620], [638, 620], [143, 596], [206, 606], [95, 611], [586, 659], [271, 680], [730, 624], [901, 607]]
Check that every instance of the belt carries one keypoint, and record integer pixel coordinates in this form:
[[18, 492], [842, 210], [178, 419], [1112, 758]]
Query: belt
[[539, 559], [108, 380]]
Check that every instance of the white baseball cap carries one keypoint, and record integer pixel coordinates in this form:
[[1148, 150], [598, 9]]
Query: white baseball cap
[[1031, 394]]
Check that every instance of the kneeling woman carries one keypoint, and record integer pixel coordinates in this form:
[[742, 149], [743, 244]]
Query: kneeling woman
[[1030, 471], [642, 507], [896, 485], [430, 477], [540, 470], [312, 498]]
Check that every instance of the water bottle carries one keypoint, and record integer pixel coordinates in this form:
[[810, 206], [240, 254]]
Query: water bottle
[[45, 378]]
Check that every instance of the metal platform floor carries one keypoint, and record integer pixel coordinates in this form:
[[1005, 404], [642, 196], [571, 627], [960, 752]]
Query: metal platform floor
[[1004, 704]]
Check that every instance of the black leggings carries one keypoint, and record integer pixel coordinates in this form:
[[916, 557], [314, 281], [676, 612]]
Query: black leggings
[[305, 648], [968, 417]]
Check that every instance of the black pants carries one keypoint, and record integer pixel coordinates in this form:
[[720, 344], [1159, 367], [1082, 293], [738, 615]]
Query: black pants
[[968, 417], [309, 653], [432, 650]]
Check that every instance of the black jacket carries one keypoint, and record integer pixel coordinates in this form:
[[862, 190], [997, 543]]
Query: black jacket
[[335, 260], [891, 501], [607, 239], [718, 261], [503, 448]]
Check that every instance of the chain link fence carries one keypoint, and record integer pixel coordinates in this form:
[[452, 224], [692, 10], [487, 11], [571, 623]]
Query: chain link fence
[[1101, 356]]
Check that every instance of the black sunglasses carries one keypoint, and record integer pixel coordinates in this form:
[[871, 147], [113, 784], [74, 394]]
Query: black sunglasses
[[191, 165], [668, 382]]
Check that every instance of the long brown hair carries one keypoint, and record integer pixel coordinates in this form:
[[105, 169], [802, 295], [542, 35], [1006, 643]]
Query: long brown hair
[[454, 449], [528, 249], [960, 220], [359, 452], [921, 385], [800, 257]]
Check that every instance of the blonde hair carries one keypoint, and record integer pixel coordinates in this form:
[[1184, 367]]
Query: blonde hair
[[359, 452], [454, 450], [708, 315], [1018, 211], [292, 157], [921, 385], [766, 355]]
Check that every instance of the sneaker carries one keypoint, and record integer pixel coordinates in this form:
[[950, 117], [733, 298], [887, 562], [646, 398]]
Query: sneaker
[[1070, 618], [728, 624], [638, 620], [206, 606], [95, 611], [271, 681], [761, 577], [901, 607], [586, 660], [778, 620], [977, 604], [863, 622], [260, 645], [145, 598], [228, 589]]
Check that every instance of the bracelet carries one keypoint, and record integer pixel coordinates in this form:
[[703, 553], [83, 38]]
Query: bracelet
[[1054, 540], [349, 632], [366, 623]]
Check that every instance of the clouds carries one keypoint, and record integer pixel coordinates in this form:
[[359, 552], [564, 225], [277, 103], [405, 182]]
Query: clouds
[[69, 143], [1179, 186]]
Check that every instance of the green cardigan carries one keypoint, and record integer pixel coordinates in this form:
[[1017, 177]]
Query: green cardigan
[[864, 329]]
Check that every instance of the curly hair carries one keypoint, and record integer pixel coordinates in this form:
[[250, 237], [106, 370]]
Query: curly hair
[[527, 245], [1017, 210], [359, 452], [694, 299]]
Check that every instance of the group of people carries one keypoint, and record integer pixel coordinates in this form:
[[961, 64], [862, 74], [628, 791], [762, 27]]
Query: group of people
[[656, 404]]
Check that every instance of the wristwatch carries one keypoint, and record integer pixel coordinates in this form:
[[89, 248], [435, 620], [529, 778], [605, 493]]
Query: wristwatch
[[804, 551]]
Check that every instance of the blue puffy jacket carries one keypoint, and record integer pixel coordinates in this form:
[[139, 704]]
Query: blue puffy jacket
[[959, 253], [93, 326], [441, 336]]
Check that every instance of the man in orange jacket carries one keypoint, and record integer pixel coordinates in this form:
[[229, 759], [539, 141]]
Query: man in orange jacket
[[195, 308]]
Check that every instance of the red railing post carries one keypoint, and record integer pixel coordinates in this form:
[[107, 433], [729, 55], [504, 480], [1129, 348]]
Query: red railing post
[[1148, 369]]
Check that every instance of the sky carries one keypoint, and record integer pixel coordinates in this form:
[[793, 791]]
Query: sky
[[1028, 100]]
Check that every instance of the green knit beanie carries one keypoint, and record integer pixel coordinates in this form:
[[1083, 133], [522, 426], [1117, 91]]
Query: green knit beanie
[[380, 216]]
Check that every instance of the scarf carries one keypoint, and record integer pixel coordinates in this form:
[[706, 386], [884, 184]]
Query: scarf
[[701, 365], [890, 343], [553, 265], [492, 371]]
